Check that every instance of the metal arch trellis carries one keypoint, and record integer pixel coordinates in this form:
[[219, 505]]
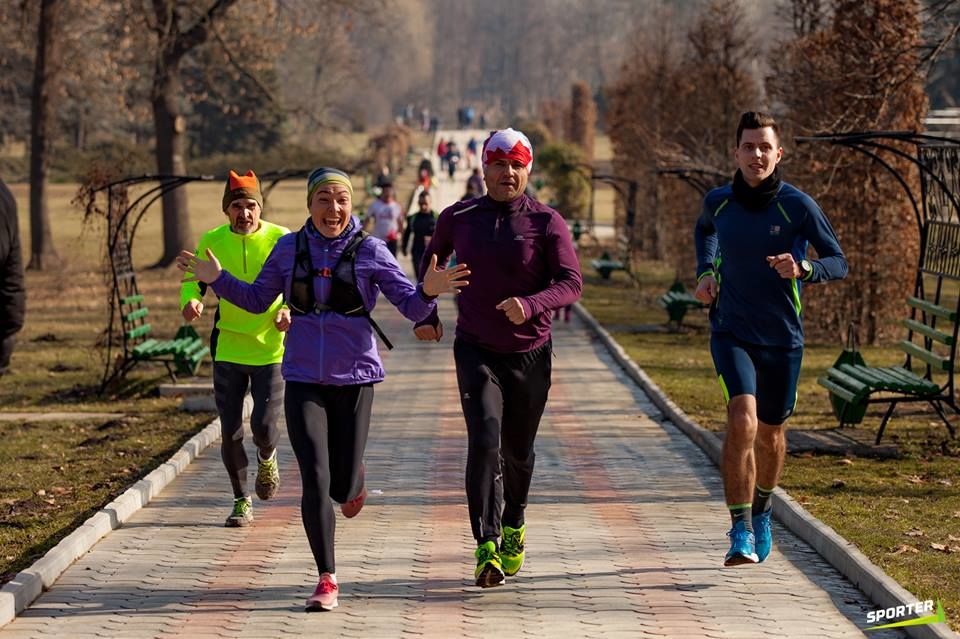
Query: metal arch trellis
[[700, 179], [937, 159], [123, 219]]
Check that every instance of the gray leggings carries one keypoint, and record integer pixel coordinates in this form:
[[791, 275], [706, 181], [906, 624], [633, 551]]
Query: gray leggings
[[328, 428], [230, 383]]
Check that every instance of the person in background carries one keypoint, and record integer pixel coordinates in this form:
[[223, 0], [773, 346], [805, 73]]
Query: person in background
[[385, 215], [421, 226], [13, 293]]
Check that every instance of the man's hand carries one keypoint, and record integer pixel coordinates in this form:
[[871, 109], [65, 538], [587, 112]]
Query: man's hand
[[428, 333], [203, 270], [192, 310], [514, 310], [437, 281], [282, 320], [785, 265], [706, 290]]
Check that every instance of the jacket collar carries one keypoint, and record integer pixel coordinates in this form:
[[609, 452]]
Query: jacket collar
[[516, 205], [313, 233]]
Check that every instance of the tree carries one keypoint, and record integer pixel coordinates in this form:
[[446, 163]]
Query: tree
[[45, 68], [583, 118], [678, 107], [860, 72], [177, 34]]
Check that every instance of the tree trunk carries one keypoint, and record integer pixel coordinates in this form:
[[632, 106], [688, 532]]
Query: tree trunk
[[42, 252], [171, 133]]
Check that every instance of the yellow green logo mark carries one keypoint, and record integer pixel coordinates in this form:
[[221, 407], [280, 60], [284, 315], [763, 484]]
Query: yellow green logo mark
[[939, 617]]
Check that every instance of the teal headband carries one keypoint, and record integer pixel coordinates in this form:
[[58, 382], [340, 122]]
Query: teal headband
[[326, 175]]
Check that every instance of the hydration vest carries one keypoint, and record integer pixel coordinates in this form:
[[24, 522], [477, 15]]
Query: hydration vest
[[345, 297]]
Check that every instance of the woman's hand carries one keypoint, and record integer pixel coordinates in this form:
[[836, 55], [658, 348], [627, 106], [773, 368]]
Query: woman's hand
[[448, 280], [205, 271]]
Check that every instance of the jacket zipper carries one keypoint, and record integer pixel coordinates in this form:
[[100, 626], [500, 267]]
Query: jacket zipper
[[244, 241]]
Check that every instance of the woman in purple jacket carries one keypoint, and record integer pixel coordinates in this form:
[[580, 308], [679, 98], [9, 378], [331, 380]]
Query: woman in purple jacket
[[330, 274]]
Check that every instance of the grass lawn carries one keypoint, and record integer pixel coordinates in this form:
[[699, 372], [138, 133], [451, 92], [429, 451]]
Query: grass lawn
[[904, 513]]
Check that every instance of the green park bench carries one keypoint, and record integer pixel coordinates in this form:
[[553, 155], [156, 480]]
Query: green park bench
[[605, 265], [181, 355], [677, 301], [930, 345]]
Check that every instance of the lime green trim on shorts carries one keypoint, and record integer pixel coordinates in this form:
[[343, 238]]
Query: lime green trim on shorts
[[723, 388], [783, 212]]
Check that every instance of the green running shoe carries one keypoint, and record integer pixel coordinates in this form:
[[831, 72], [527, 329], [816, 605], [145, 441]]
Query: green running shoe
[[242, 514], [489, 572], [268, 476], [511, 550]]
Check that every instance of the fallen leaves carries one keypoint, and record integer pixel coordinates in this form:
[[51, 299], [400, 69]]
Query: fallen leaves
[[904, 548], [916, 532], [945, 548]]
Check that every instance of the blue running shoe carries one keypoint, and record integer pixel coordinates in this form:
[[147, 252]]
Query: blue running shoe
[[742, 546], [761, 530]]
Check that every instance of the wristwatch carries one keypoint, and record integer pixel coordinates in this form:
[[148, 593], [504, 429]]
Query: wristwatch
[[806, 269]]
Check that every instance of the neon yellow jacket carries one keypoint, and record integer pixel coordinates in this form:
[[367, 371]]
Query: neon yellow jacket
[[241, 337]]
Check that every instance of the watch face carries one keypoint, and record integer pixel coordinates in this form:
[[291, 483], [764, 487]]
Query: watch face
[[806, 266]]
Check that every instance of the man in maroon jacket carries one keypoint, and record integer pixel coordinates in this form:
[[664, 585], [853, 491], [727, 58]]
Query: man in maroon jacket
[[523, 267]]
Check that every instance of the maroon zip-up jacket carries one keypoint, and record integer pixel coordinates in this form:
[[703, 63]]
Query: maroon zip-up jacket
[[520, 248]]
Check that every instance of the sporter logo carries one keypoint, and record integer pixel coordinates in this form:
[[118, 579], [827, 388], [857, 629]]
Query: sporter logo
[[902, 611]]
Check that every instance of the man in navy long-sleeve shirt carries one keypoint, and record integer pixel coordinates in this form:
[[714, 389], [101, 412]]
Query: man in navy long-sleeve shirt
[[523, 266], [751, 241]]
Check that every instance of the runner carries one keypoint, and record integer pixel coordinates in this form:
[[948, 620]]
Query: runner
[[385, 215], [421, 225], [330, 273], [524, 266], [751, 241], [246, 348]]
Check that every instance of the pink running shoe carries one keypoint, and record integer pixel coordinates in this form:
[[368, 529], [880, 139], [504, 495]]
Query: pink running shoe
[[353, 507], [325, 596]]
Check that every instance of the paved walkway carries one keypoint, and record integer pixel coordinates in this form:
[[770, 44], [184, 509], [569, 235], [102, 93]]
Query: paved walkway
[[626, 535]]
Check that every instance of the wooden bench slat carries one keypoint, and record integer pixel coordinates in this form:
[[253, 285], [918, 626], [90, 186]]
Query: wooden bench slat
[[932, 308], [927, 331], [837, 390], [139, 331], [861, 373], [917, 383], [850, 382], [140, 313], [931, 358]]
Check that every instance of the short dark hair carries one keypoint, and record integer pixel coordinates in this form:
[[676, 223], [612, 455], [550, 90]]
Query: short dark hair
[[757, 120]]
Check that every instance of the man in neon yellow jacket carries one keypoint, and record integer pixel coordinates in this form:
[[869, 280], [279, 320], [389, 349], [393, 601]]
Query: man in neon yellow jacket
[[247, 349]]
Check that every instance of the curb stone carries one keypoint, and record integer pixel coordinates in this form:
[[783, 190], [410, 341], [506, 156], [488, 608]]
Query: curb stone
[[28, 584], [879, 587]]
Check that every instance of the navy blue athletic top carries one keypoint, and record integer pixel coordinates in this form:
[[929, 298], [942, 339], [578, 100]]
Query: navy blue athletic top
[[755, 304]]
